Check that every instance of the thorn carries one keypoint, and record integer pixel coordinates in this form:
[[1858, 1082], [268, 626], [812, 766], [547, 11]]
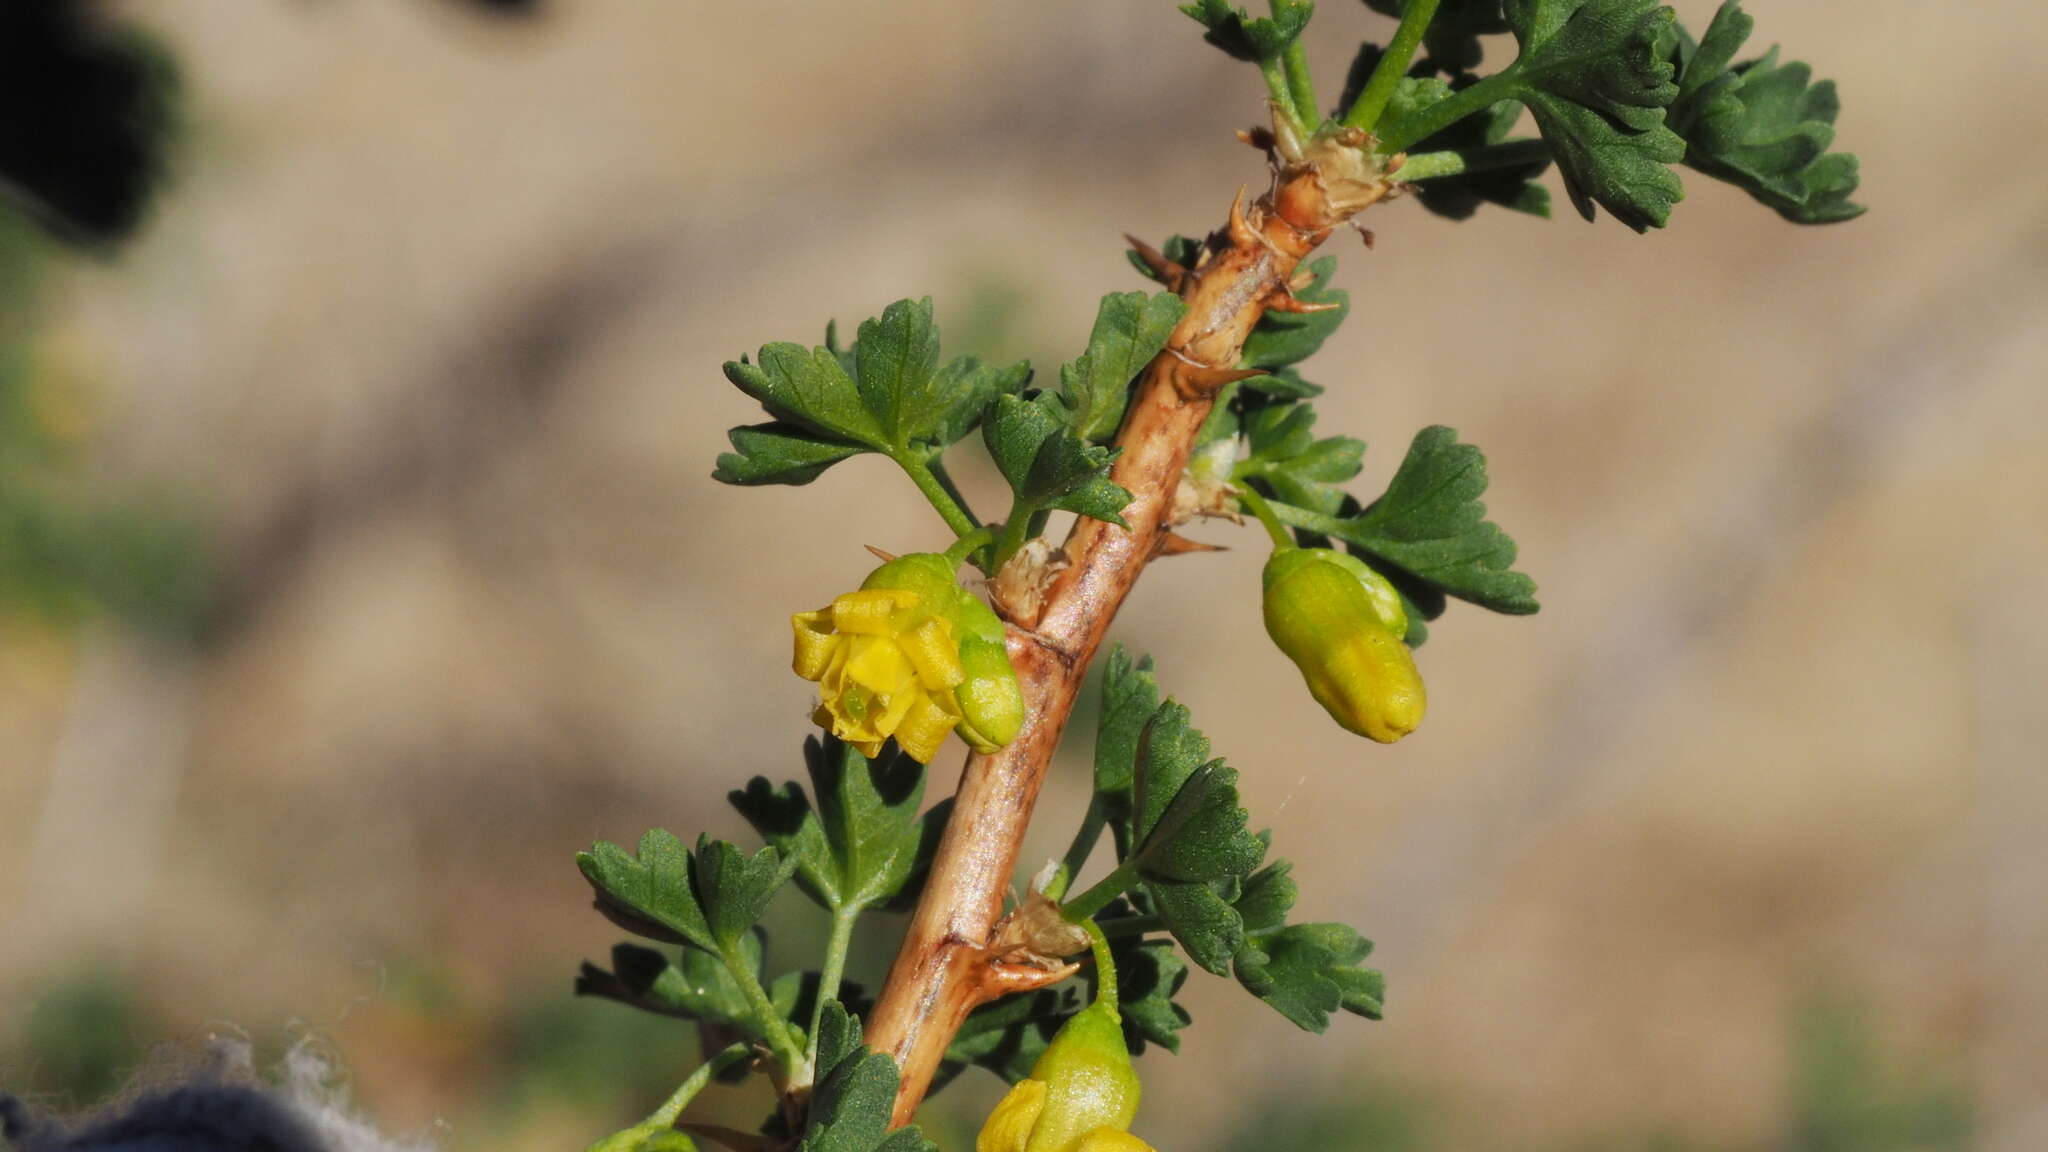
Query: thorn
[[1241, 233], [1175, 544], [1288, 302], [878, 554], [1395, 163], [1259, 138], [1301, 280], [1169, 273], [1209, 381], [1365, 234]]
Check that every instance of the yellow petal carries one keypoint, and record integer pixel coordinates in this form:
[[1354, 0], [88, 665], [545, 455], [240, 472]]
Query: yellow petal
[[878, 664], [814, 643], [924, 727], [1111, 1140], [871, 612], [932, 650], [1009, 1126], [898, 705]]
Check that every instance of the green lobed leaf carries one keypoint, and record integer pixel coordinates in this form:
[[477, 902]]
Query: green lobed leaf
[[1762, 126], [1308, 971], [1149, 974], [864, 840], [1294, 466], [708, 899], [1047, 465], [1430, 529], [854, 1094], [1597, 75], [649, 896], [1284, 338], [886, 394], [1130, 329], [779, 453], [694, 986], [1130, 695], [1236, 32]]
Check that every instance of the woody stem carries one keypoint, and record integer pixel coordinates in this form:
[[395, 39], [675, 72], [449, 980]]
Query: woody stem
[[943, 970]]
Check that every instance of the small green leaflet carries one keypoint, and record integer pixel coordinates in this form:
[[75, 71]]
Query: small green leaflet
[[1200, 872], [1294, 466], [1149, 974], [1284, 338], [1174, 811], [1431, 530], [709, 898], [1308, 971], [887, 394], [1130, 329], [1762, 126], [864, 840], [855, 1094], [696, 986], [1047, 465], [1597, 75], [1234, 30]]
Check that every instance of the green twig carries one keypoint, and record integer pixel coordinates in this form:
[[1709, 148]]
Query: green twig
[[836, 947], [774, 1029], [1256, 504], [1277, 89], [1105, 966], [968, 545], [1099, 894], [1482, 158], [1386, 75], [1085, 838], [929, 476], [1301, 87], [1441, 115], [671, 1109]]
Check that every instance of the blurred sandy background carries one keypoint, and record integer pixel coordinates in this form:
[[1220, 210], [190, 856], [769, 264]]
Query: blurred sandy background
[[429, 329]]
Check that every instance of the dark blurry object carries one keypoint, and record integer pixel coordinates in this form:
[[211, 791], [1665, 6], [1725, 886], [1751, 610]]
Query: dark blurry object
[[221, 1118], [85, 113], [505, 7]]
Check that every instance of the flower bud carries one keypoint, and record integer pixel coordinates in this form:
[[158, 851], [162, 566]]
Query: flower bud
[[1342, 624], [911, 655], [1080, 1097]]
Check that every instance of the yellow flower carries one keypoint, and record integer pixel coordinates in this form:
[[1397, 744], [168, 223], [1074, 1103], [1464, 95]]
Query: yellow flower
[[913, 656], [1342, 624], [1080, 1097]]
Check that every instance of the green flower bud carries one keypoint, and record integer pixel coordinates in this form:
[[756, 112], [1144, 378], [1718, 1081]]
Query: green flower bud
[[1081, 1096], [1342, 624], [912, 655]]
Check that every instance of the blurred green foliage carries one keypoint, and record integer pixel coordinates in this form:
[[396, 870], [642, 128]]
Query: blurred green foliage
[[68, 553], [82, 1038]]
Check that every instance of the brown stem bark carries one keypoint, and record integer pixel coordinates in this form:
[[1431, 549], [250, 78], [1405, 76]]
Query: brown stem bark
[[945, 968]]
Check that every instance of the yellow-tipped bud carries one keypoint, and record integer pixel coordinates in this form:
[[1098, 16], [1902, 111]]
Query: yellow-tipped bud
[[1080, 1097], [913, 656], [1342, 624]]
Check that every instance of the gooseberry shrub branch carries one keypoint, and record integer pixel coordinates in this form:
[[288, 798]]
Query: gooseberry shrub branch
[[1187, 404]]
